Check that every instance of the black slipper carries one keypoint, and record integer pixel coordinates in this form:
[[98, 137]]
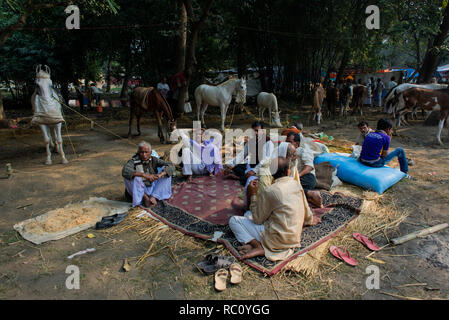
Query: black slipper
[[110, 221], [215, 262]]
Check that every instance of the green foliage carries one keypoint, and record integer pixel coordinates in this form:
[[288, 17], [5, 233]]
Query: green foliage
[[139, 37]]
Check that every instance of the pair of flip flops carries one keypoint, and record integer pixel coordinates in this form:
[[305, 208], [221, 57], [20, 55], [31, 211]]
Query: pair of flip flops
[[221, 276], [110, 221], [214, 262], [343, 254]]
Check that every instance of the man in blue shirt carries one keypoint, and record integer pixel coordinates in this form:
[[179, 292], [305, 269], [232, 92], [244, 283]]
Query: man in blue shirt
[[375, 148]]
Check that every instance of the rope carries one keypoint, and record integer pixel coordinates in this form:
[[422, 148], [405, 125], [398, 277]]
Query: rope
[[232, 117], [67, 130], [92, 121]]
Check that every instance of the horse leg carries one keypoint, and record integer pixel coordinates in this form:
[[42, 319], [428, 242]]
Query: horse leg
[[58, 139], [160, 132], [138, 123], [440, 128], [131, 115], [223, 109], [262, 111], [318, 115], [203, 111], [47, 139], [199, 106], [269, 112]]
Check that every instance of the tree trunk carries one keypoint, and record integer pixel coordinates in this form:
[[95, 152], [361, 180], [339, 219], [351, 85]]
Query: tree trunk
[[190, 60], [65, 91], [431, 58], [108, 76], [124, 91], [181, 39], [241, 63], [341, 69], [2, 112]]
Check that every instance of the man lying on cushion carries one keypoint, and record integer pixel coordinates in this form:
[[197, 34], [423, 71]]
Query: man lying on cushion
[[142, 180], [376, 145], [275, 228], [200, 158]]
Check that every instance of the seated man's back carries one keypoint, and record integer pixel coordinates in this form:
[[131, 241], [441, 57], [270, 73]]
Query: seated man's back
[[281, 210]]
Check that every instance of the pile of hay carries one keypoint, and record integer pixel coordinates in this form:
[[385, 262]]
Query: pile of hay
[[64, 219]]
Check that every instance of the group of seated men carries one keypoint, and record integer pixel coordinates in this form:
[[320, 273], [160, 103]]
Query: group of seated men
[[279, 182]]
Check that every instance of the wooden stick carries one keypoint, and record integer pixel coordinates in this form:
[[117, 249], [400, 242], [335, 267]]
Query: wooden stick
[[369, 255], [27, 205], [398, 296], [411, 285], [420, 233]]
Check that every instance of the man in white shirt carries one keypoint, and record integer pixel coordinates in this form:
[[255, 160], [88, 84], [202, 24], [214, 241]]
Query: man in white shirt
[[256, 151], [96, 93], [306, 170], [163, 87]]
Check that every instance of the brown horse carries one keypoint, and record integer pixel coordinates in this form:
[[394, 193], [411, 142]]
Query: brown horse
[[150, 99], [359, 95], [427, 99]]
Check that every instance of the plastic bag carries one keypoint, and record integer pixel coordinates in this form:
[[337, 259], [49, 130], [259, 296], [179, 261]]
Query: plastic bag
[[356, 150], [187, 107]]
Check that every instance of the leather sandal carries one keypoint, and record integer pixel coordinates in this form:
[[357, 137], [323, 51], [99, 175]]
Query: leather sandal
[[220, 279], [236, 273]]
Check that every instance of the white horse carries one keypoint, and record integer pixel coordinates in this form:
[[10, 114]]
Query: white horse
[[47, 112], [219, 96], [268, 101]]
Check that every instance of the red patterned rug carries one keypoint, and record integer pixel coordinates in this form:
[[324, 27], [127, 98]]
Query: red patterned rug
[[214, 199], [202, 216]]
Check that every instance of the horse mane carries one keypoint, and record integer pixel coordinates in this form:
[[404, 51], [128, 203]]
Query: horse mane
[[225, 82]]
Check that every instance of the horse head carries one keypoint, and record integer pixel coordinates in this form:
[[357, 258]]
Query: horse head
[[43, 81], [241, 84], [172, 125]]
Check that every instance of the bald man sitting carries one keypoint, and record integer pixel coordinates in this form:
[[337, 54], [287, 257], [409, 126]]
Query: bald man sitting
[[275, 228], [142, 180]]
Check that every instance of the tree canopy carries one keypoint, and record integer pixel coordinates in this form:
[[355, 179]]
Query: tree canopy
[[140, 38]]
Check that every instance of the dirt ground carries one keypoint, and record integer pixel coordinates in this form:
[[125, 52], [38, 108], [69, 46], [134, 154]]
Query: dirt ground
[[416, 269]]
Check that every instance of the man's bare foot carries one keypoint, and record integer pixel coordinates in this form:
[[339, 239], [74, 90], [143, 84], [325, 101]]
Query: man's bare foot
[[153, 201], [244, 249], [146, 201], [315, 198], [255, 251]]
